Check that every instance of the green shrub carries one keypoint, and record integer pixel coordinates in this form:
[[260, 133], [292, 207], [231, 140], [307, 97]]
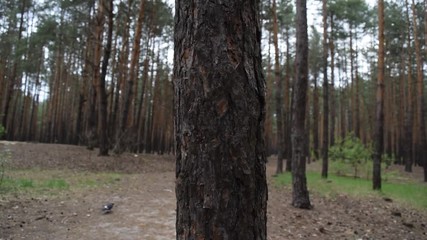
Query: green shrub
[[350, 154]]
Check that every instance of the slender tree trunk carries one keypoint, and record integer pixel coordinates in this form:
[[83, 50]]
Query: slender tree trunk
[[424, 105], [403, 103], [221, 185], [411, 101], [316, 110], [300, 196], [269, 95], [101, 94], [325, 144], [128, 114], [278, 94], [351, 91], [379, 124], [421, 144], [12, 80], [332, 90], [287, 112]]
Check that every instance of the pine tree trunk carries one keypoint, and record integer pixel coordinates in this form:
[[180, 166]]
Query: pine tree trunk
[[411, 101], [325, 143], [424, 105], [379, 123], [278, 94], [101, 94], [300, 196], [219, 115], [316, 110], [128, 112], [269, 143], [287, 110], [332, 90], [421, 144], [12, 79]]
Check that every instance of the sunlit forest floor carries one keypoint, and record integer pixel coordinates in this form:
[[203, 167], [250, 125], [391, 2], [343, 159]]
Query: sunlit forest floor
[[57, 191]]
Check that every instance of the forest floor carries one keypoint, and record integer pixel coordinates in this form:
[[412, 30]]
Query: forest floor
[[142, 188]]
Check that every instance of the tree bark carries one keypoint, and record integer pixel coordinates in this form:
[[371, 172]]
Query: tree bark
[[300, 196], [316, 112], [12, 81], [409, 115], [128, 112], [379, 124], [102, 96], [424, 107], [219, 115], [421, 138], [287, 112], [325, 143], [278, 94], [332, 90]]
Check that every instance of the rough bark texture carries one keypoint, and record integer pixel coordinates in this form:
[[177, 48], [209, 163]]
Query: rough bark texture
[[219, 117], [300, 197], [379, 125], [424, 106]]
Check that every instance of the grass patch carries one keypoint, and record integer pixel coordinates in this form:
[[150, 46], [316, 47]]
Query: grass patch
[[39, 182], [55, 184], [409, 193]]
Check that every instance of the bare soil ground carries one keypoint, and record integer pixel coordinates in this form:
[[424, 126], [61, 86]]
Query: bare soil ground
[[144, 198]]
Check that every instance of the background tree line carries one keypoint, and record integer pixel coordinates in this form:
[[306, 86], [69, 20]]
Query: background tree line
[[98, 73], [87, 72]]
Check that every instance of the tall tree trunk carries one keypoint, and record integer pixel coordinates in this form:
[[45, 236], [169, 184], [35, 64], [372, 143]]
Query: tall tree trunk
[[12, 80], [403, 103], [409, 116], [332, 90], [101, 94], [221, 185], [270, 146], [316, 111], [300, 196], [278, 94], [421, 144], [325, 143], [424, 106], [351, 95], [286, 113], [128, 114], [116, 118], [379, 123]]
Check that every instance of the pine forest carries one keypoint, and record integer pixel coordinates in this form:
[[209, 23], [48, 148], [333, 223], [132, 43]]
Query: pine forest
[[232, 91]]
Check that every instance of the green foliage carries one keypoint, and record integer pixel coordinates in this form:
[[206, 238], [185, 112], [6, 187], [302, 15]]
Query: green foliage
[[404, 192], [350, 152], [2, 131]]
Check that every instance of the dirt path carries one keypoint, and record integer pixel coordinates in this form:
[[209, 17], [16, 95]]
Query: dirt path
[[145, 204]]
